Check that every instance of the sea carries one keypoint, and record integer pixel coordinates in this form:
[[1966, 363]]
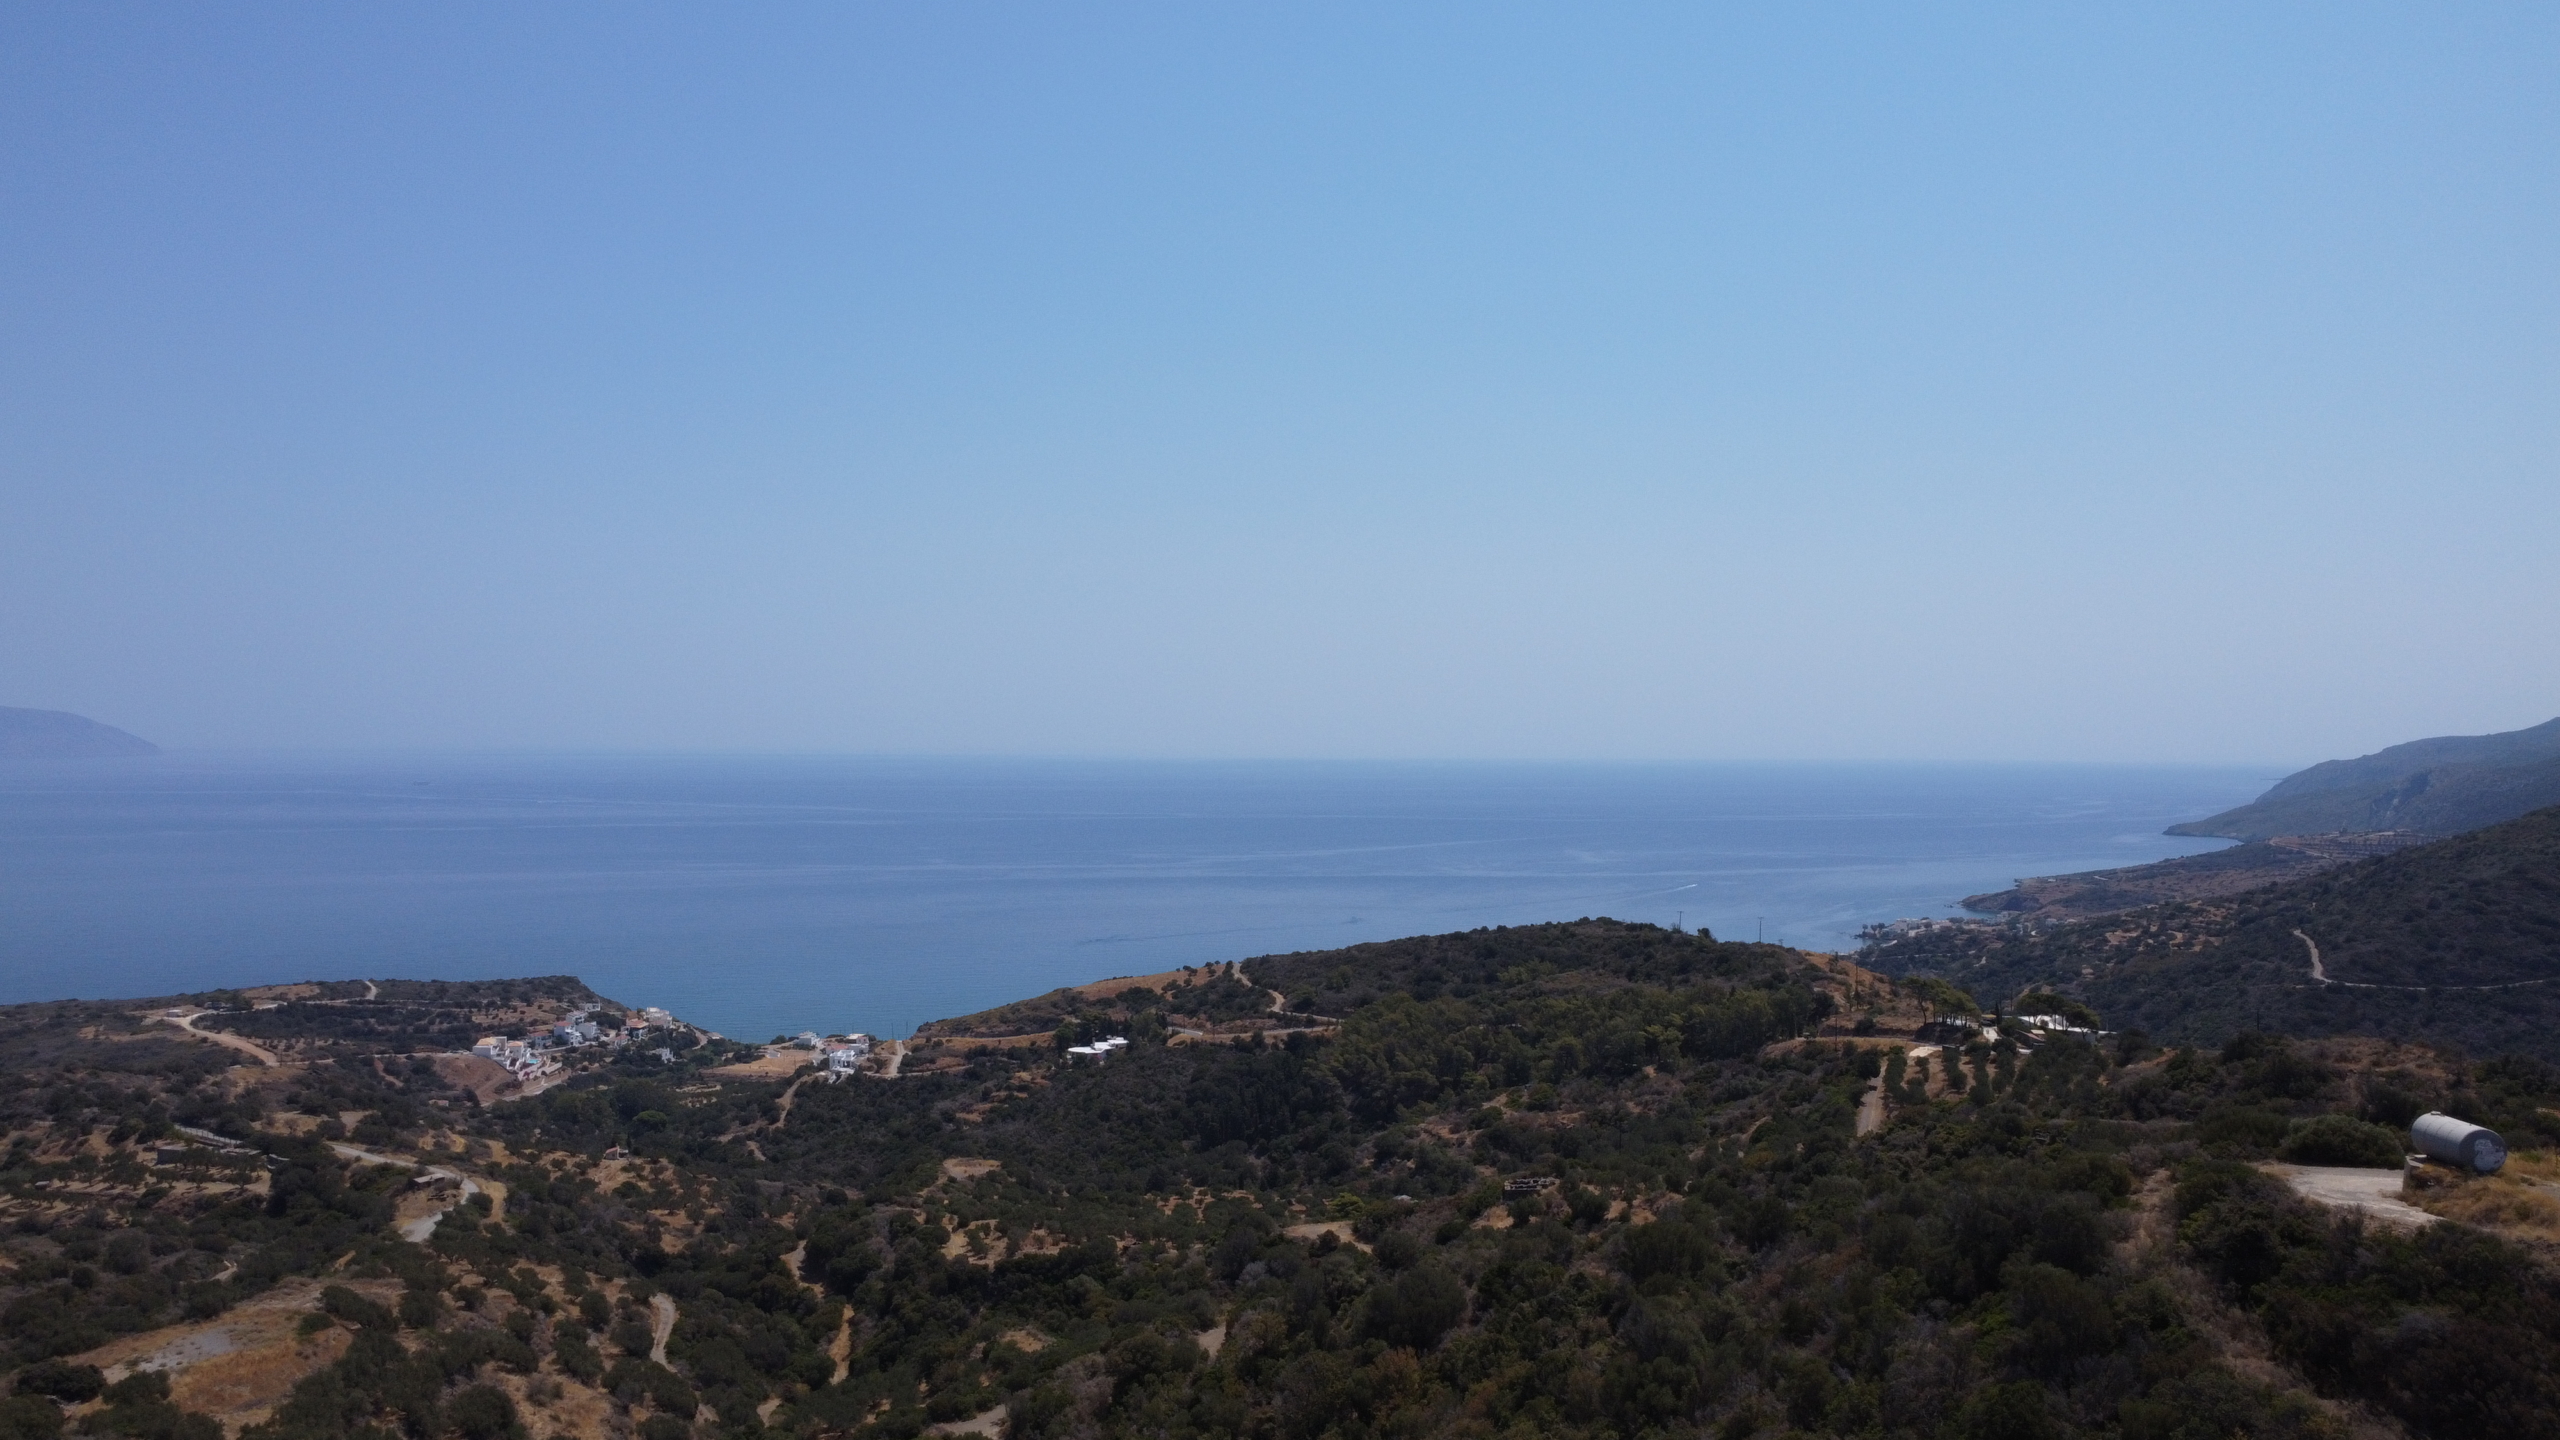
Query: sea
[[760, 896]]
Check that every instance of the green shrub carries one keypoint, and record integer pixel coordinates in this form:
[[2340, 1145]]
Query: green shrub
[[483, 1412], [2016, 1411], [2343, 1140], [421, 1309], [62, 1380], [577, 1358], [1666, 1247], [25, 1417], [1418, 1307], [2242, 1128]]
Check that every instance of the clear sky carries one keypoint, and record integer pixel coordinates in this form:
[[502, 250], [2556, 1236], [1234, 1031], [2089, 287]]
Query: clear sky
[[1885, 381]]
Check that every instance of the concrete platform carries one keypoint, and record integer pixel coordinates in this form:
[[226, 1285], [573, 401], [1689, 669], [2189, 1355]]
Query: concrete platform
[[2342, 1187]]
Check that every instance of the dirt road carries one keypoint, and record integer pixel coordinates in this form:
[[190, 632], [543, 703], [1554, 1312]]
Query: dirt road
[[259, 1053], [662, 1323], [417, 1229], [782, 1105], [1871, 1107], [2318, 975]]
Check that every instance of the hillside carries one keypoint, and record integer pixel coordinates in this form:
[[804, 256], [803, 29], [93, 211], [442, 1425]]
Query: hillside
[[1578, 1180], [2189, 877], [2441, 786], [60, 735], [2455, 942]]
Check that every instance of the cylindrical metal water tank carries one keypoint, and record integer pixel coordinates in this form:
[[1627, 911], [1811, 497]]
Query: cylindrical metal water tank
[[2439, 1136]]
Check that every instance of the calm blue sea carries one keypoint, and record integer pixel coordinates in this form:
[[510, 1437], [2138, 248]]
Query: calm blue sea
[[759, 896]]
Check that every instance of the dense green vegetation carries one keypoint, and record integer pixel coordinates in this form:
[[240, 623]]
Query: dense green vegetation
[[1303, 1238], [408, 1016], [2479, 910], [1209, 994]]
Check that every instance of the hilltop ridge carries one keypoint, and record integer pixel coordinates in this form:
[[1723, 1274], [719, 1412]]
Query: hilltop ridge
[[2454, 942], [2440, 786], [61, 735], [2316, 819], [1585, 1180]]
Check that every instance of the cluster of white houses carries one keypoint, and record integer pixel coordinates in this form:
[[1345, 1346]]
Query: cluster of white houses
[[842, 1054], [2040, 1026], [534, 1054], [1098, 1051], [2025, 1031]]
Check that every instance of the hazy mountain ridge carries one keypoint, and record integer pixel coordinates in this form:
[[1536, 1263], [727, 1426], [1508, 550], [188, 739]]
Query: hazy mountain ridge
[[61, 735], [2442, 786]]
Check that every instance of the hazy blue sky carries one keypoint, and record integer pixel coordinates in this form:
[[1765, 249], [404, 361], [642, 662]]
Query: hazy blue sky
[[1890, 381]]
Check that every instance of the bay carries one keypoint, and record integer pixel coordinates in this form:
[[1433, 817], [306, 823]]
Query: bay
[[765, 895]]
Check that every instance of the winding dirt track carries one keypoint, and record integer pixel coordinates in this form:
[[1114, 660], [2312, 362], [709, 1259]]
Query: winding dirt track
[[782, 1106], [257, 1052], [1871, 1107], [228, 1041], [2320, 976], [419, 1229], [662, 1316]]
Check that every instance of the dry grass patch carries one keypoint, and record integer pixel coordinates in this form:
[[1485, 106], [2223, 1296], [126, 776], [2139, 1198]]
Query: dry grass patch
[[2519, 1206], [238, 1366], [298, 991], [778, 1064]]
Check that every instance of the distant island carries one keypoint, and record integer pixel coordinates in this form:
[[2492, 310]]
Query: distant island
[[61, 735]]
